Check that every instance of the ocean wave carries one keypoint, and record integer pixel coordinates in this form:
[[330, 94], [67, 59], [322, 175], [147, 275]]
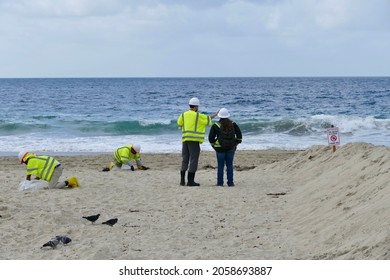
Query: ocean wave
[[145, 127], [315, 124], [7, 128], [82, 127], [302, 126], [163, 135]]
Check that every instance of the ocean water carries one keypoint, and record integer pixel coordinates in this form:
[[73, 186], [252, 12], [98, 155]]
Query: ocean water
[[97, 115]]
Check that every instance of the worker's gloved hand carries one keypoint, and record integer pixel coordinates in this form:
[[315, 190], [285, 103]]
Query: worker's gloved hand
[[144, 168], [128, 163]]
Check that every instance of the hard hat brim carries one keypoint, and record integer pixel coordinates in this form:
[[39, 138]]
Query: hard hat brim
[[21, 160]]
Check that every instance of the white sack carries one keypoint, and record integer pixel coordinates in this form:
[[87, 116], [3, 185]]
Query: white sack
[[32, 185]]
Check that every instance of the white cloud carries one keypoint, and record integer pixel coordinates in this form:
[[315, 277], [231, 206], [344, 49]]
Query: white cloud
[[173, 37]]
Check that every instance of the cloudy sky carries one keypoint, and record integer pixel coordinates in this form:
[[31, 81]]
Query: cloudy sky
[[194, 38]]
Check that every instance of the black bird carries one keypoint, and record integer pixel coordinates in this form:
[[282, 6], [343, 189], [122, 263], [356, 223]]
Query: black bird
[[110, 222], [52, 243], [92, 218], [63, 239]]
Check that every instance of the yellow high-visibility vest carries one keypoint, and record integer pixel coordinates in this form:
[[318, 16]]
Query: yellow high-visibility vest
[[193, 125], [42, 167], [124, 154]]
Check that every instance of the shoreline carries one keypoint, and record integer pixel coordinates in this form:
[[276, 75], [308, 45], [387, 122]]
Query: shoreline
[[70, 154]]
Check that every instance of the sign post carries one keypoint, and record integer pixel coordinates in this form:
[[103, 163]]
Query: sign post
[[333, 137]]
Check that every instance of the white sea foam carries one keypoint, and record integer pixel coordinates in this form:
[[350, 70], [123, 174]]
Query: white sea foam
[[172, 143]]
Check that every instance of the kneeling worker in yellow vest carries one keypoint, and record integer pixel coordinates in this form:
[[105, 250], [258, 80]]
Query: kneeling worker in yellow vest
[[46, 168], [124, 155]]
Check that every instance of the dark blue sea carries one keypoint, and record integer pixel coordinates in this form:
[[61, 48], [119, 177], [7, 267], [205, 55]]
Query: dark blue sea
[[82, 115]]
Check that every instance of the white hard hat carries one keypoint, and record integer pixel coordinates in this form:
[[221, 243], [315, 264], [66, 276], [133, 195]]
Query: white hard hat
[[223, 113], [194, 101], [21, 155], [137, 147]]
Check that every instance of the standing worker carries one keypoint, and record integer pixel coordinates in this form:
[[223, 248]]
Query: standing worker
[[46, 168], [193, 125], [224, 137], [124, 155]]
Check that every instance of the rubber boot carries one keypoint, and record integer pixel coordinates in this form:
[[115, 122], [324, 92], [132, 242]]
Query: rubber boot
[[182, 179], [191, 182]]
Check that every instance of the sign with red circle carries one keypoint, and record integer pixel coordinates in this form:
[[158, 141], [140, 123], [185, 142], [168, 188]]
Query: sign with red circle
[[333, 136]]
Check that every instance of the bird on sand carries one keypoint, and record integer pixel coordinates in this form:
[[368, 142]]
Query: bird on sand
[[63, 239], [110, 222], [52, 243], [92, 218]]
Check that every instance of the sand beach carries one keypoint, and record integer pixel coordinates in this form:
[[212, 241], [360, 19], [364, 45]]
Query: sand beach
[[286, 205]]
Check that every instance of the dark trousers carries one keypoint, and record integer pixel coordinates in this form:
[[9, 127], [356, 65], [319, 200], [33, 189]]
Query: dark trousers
[[190, 156]]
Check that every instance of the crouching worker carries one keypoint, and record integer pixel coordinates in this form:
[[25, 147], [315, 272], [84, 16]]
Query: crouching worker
[[46, 168], [124, 155]]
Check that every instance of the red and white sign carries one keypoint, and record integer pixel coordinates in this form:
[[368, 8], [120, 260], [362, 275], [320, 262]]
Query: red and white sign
[[333, 136]]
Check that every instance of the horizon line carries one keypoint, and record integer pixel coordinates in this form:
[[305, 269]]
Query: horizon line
[[197, 77]]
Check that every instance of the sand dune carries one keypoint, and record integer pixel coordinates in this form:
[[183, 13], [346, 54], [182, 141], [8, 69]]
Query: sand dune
[[310, 204], [340, 203]]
